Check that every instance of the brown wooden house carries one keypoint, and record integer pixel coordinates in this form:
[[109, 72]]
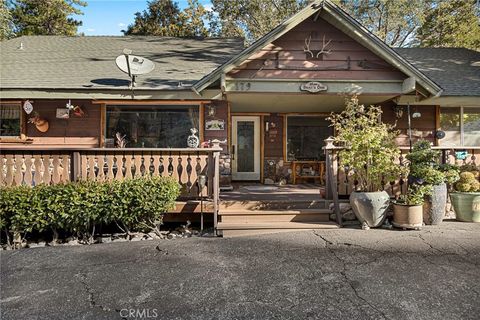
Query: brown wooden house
[[267, 103]]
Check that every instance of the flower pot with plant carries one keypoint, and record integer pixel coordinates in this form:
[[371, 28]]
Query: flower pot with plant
[[368, 153], [466, 195], [408, 209], [426, 171]]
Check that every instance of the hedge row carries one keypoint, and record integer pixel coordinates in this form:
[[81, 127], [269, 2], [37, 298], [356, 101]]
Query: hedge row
[[78, 207]]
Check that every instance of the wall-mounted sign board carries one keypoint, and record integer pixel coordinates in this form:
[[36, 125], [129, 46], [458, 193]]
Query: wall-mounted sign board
[[215, 125], [313, 87]]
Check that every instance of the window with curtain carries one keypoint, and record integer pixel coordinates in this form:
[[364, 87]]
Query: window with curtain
[[161, 126], [305, 137], [461, 126], [10, 115]]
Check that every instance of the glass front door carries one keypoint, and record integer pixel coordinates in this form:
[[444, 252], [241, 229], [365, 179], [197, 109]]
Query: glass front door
[[245, 148]]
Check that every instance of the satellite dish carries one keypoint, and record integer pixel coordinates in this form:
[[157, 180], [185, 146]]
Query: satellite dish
[[134, 65]]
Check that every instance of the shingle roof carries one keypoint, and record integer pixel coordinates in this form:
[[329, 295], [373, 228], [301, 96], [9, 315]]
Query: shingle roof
[[89, 62], [456, 70]]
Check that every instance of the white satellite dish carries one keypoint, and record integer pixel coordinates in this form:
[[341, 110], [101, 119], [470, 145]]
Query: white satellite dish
[[134, 65]]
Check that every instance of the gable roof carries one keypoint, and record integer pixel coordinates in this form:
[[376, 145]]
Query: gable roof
[[456, 70], [346, 22], [59, 62]]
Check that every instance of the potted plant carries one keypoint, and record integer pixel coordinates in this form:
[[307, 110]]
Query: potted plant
[[369, 152], [426, 171], [408, 209], [466, 195]]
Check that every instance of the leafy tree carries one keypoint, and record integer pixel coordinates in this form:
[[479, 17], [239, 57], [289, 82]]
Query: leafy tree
[[47, 17], [450, 23], [164, 18], [393, 21], [6, 24], [251, 18]]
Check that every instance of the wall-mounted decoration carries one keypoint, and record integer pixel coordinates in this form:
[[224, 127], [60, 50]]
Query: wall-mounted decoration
[[313, 87], [78, 112], [193, 141], [211, 110], [213, 125], [316, 54], [28, 107], [41, 124], [62, 113]]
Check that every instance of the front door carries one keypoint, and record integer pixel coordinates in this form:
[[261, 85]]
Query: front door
[[246, 148]]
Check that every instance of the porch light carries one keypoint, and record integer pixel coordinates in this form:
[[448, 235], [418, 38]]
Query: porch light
[[398, 111]]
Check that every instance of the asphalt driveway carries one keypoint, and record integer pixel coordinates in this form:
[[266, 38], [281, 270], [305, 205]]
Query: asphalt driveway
[[330, 274]]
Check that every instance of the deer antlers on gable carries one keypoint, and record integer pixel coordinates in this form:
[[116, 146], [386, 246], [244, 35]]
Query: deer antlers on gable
[[316, 54]]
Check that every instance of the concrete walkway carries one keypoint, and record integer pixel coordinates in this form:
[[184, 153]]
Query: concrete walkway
[[327, 274]]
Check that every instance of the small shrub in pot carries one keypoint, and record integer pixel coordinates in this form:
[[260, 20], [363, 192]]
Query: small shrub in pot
[[466, 195]]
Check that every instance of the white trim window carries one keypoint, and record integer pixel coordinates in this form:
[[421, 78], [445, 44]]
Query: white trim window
[[461, 126]]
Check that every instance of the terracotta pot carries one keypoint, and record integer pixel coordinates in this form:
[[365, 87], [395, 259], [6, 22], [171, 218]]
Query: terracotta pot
[[466, 206], [409, 217], [370, 207], [435, 206]]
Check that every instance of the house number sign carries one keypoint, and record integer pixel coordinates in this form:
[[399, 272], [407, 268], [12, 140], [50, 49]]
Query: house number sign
[[313, 87]]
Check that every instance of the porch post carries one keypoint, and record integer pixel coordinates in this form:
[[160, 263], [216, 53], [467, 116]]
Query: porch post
[[216, 182], [75, 166], [332, 188]]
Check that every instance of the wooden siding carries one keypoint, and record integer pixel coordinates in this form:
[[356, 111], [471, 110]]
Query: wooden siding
[[285, 58], [273, 139], [221, 113], [422, 128], [73, 132]]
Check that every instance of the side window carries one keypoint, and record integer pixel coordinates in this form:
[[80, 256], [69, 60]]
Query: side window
[[10, 120]]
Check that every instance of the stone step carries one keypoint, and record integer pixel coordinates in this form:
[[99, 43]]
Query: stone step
[[229, 230]]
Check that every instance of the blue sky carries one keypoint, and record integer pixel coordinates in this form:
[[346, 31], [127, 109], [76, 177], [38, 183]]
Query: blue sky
[[109, 17]]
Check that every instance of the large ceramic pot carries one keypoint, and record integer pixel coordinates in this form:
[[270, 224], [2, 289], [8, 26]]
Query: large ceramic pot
[[407, 217], [435, 206], [370, 207], [466, 206]]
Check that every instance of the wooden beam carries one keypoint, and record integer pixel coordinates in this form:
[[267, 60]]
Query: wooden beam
[[201, 122], [103, 124], [262, 148], [150, 102], [251, 113], [284, 137]]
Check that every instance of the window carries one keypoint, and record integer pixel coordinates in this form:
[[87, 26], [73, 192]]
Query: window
[[461, 126], [151, 126], [305, 137], [10, 120]]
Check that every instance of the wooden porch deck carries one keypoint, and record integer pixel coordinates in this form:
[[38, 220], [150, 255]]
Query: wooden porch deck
[[252, 209]]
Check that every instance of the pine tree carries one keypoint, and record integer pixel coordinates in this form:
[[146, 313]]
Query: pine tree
[[451, 23], [6, 23], [47, 17]]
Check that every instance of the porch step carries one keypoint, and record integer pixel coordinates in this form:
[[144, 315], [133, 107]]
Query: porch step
[[271, 216], [230, 230], [266, 205]]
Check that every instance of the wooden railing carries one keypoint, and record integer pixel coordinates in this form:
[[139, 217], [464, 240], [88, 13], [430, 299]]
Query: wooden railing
[[53, 166], [345, 183]]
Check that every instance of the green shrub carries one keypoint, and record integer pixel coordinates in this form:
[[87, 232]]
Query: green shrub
[[79, 207]]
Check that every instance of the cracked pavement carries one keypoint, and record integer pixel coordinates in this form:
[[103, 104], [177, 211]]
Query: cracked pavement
[[324, 274]]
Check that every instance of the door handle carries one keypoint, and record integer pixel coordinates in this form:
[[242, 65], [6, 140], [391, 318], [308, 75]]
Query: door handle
[[233, 152]]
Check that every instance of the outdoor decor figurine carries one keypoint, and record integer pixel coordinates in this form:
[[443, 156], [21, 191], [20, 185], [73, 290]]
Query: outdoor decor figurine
[[41, 124], [193, 141], [120, 140]]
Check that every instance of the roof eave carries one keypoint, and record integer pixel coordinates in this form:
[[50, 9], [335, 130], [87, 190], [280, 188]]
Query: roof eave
[[280, 30], [381, 48]]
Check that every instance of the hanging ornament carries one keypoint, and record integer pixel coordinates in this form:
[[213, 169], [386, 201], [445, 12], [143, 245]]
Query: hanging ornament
[[193, 141], [28, 107]]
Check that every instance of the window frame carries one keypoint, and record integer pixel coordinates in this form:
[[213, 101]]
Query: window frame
[[23, 134], [128, 104], [462, 132]]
